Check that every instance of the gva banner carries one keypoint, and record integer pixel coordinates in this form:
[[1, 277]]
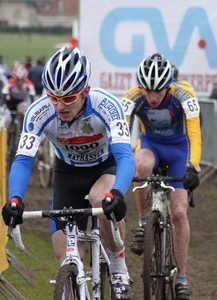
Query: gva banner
[[117, 35]]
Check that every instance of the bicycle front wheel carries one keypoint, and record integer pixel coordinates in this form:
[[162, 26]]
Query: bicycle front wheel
[[170, 262], [106, 288], [66, 287], [153, 280]]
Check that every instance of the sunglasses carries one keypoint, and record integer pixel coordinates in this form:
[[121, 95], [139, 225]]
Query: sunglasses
[[67, 100]]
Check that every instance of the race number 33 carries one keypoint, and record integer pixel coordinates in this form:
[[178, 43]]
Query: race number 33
[[28, 144], [120, 131]]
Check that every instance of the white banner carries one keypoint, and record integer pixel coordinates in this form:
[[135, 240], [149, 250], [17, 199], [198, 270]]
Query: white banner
[[117, 35]]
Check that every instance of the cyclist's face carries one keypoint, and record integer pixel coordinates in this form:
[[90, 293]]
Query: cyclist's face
[[155, 98], [19, 83], [68, 112]]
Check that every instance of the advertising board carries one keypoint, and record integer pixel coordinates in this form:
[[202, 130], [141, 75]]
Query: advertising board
[[117, 35]]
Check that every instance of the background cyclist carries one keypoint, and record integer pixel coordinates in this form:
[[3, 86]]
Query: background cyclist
[[170, 131], [93, 153], [18, 91]]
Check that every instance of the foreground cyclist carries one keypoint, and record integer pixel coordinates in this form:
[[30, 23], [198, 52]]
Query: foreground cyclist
[[170, 132], [93, 154]]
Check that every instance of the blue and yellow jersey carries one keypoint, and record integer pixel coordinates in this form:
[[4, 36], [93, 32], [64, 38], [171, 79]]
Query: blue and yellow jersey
[[175, 119]]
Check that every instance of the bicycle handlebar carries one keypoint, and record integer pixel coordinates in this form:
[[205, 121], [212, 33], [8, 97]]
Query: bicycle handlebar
[[157, 178], [65, 212]]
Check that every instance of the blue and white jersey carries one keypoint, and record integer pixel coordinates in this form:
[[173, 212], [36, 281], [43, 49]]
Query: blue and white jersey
[[87, 141], [99, 132]]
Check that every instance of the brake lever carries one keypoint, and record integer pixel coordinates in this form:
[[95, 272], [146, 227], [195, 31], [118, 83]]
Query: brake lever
[[12, 220]]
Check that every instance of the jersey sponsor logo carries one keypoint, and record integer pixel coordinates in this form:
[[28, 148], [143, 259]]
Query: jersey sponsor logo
[[109, 108], [31, 126], [40, 111], [181, 95], [79, 140], [159, 118], [87, 128], [164, 132], [86, 157], [82, 148]]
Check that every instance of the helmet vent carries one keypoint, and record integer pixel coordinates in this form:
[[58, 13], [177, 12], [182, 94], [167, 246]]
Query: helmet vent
[[67, 68], [59, 77], [69, 82], [49, 81], [81, 84]]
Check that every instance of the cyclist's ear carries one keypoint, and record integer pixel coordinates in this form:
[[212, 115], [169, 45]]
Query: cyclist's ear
[[86, 91]]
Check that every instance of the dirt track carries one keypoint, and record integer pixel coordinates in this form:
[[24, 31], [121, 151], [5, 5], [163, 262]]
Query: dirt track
[[202, 260]]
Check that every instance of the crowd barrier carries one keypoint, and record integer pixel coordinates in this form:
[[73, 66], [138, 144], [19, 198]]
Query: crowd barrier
[[3, 229], [209, 128]]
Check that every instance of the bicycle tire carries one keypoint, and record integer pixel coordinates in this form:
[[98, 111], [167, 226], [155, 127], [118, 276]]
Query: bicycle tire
[[107, 292], [10, 149], [170, 263], [66, 287], [13, 140], [46, 164], [153, 282]]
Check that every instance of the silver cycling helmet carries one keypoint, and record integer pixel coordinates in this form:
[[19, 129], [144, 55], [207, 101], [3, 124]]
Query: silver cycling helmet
[[175, 72], [154, 73], [66, 72]]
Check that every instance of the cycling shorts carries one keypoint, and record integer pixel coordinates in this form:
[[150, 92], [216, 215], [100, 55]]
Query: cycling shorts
[[16, 104], [175, 155], [72, 184]]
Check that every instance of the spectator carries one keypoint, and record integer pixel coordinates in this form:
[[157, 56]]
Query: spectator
[[28, 62], [35, 74], [5, 68]]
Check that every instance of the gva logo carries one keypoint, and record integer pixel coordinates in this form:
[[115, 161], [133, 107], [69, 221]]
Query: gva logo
[[195, 17]]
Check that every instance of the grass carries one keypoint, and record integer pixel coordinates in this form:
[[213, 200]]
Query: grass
[[44, 266], [18, 46]]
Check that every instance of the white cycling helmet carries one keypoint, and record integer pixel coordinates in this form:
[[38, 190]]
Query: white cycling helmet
[[154, 73], [19, 72], [66, 72]]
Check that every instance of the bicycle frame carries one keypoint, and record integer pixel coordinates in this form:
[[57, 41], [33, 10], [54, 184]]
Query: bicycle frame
[[159, 264], [160, 204], [73, 257], [98, 253]]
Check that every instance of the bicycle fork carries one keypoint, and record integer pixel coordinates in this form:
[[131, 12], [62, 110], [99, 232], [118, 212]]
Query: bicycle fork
[[161, 206], [98, 255], [73, 257]]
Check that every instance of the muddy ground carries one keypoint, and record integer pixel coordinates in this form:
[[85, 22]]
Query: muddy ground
[[202, 259]]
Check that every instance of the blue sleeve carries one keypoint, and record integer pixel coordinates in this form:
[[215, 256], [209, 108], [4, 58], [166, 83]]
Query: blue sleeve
[[125, 166], [19, 175]]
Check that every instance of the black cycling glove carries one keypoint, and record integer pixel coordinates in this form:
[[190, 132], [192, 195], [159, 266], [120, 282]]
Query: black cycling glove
[[190, 179], [14, 210], [117, 205]]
